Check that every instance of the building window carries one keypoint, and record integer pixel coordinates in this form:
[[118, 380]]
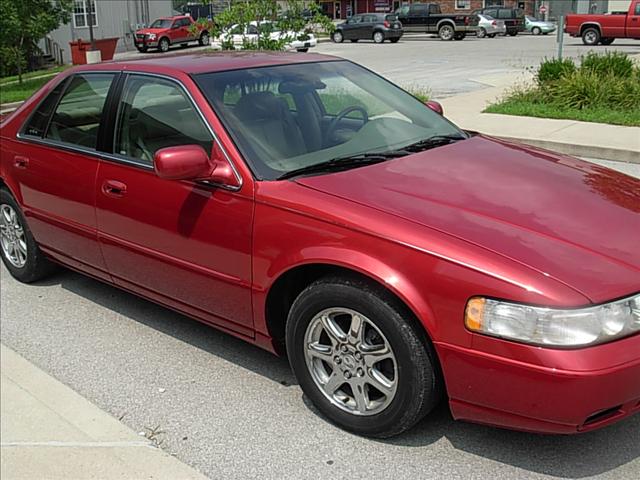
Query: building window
[[463, 4], [84, 11], [494, 3]]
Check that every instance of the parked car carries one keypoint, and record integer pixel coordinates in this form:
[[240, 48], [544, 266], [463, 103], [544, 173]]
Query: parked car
[[427, 17], [490, 27], [369, 26], [238, 34], [605, 28], [305, 204], [538, 27], [513, 17], [164, 32]]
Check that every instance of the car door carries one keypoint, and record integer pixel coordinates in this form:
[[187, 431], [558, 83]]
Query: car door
[[56, 166], [175, 32], [350, 27], [633, 22], [366, 28], [182, 243]]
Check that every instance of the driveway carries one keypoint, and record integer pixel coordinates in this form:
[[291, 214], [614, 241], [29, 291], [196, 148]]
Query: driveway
[[232, 410]]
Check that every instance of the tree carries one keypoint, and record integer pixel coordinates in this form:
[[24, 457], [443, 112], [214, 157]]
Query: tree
[[23, 23]]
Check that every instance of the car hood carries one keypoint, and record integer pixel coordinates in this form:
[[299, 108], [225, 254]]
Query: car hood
[[151, 30], [574, 221]]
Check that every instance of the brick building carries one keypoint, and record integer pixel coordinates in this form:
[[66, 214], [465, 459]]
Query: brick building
[[345, 8]]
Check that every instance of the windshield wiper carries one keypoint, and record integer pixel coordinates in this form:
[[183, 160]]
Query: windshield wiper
[[342, 163], [432, 142]]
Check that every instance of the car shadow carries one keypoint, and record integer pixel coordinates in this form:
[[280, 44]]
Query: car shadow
[[565, 456]]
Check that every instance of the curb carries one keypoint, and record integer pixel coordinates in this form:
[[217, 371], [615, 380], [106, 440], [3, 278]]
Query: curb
[[591, 151]]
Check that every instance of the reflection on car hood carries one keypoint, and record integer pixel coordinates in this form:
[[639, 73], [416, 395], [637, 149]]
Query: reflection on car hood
[[574, 221]]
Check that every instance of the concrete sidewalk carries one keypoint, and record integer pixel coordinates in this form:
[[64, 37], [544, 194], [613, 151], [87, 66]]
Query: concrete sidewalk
[[50, 432], [582, 139]]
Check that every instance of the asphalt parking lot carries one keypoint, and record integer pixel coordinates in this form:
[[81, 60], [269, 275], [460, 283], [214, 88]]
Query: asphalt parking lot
[[232, 410], [450, 68]]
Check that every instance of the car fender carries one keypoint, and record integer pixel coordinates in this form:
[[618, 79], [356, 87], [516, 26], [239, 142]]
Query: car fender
[[588, 24], [445, 20]]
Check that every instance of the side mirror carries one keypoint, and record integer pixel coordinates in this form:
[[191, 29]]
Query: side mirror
[[183, 162], [435, 106]]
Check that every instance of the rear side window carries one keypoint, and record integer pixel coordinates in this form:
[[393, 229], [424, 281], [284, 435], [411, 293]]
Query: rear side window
[[38, 122], [505, 13], [154, 114], [77, 117]]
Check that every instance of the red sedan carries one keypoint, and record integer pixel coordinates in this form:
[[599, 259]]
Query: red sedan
[[307, 205]]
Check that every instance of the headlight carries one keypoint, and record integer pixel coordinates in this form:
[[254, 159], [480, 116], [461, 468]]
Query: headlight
[[152, 36], [553, 327]]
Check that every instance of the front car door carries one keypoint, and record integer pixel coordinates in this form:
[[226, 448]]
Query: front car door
[[56, 162], [633, 21], [182, 243]]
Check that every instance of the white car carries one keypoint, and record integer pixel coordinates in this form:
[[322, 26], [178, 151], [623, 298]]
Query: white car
[[490, 27], [299, 41]]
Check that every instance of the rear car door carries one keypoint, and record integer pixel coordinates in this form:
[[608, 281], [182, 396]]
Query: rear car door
[[366, 29], [55, 165], [182, 243]]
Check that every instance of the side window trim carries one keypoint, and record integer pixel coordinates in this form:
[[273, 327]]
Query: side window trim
[[107, 128]]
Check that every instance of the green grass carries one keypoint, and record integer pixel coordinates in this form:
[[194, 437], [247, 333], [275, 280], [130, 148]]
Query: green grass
[[16, 92], [35, 73], [524, 108]]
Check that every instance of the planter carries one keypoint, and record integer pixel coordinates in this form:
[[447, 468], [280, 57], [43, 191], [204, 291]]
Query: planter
[[79, 48]]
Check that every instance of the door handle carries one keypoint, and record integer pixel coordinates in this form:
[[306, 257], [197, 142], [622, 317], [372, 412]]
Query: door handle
[[20, 162], [114, 188]]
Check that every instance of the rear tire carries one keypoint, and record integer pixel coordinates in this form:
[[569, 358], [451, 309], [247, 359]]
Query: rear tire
[[337, 37], [19, 251], [338, 365], [204, 39], [378, 37], [493, 35], [591, 36], [394, 40], [482, 32], [446, 32]]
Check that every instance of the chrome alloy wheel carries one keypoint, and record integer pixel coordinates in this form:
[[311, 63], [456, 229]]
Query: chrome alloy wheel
[[12, 237], [351, 361], [591, 37]]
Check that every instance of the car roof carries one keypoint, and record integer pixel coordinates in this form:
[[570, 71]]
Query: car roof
[[208, 62]]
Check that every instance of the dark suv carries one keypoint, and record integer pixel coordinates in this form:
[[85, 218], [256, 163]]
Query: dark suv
[[369, 26], [513, 18]]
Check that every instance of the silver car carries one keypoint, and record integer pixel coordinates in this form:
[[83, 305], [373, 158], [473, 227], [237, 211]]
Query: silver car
[[490, 27]]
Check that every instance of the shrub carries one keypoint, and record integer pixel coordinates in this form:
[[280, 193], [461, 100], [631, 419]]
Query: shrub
[[617, 64], [554, 69]]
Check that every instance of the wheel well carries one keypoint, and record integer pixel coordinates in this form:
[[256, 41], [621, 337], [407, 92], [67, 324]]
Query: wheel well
[[446, 22], [164, 38], [589, 25], [203, 32], [290, 284]]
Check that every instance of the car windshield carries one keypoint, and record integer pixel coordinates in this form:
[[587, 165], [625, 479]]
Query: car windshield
[[289, 117], [161, 23]]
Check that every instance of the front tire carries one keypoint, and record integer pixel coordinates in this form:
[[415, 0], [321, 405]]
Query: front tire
[[360, 358], [163, 45], [591, 36], [303, 50], [337, 37], [513, 34], [536, 31], [19, 251], [143, 49]]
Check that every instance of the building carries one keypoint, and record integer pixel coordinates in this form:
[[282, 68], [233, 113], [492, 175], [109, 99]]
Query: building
[[345, 8], [110, 18]]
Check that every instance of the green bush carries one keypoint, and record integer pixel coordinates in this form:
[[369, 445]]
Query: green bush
[[554, 69], [616, 64]]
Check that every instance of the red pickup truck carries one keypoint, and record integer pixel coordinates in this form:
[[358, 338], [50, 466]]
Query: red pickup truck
[[167, 31], [604, 29]]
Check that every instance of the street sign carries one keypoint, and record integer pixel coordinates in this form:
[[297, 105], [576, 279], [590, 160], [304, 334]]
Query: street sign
[[543, 9]]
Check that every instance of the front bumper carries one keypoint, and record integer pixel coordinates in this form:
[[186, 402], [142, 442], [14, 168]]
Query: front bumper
[[543, 390], [146, 43], [312, 42]]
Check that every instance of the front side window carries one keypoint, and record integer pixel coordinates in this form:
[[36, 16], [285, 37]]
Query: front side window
[[155, 113], [161, 23], [77, 118], [288, 117], [84, 11]]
